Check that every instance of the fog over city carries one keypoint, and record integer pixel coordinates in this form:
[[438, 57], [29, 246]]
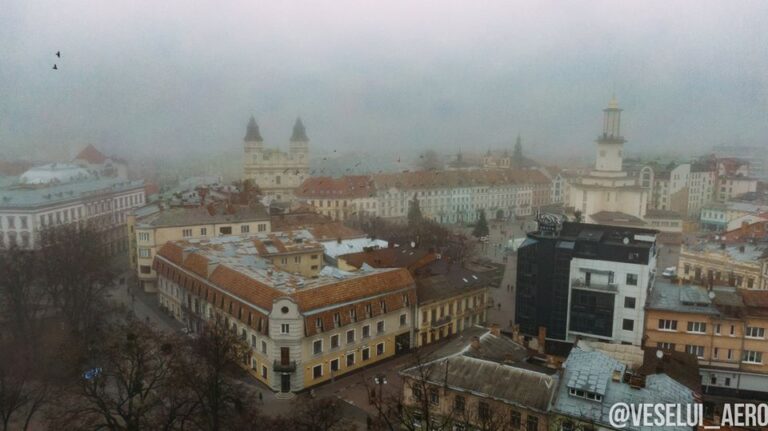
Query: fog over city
[[181, 77]]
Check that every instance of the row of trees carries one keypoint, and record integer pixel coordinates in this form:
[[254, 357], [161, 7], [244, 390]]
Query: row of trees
[[72, 360]]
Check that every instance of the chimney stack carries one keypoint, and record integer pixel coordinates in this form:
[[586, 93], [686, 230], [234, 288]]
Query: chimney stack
[[542, 338], [495, 330], [475, 343]]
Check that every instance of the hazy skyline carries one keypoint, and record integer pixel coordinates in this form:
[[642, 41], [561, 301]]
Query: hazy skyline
[[184, 76]]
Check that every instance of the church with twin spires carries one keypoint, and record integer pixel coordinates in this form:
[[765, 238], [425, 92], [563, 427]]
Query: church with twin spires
[[277, 173], [607, 195]]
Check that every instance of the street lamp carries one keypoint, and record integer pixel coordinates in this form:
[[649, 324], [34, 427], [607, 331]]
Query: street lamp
[[381, 380]]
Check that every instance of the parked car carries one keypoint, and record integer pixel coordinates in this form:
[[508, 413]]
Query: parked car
[[670, 272]]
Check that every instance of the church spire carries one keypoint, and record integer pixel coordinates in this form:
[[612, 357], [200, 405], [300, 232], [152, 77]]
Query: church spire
[[612, 121], [252, 131], [299, 132]]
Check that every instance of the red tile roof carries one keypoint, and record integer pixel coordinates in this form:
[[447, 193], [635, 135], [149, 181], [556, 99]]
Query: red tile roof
[[452, 179], [91, 155], [347, 187]]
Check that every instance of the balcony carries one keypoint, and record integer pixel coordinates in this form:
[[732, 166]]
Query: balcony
[[441, 321], [281, 367], [595, 285]]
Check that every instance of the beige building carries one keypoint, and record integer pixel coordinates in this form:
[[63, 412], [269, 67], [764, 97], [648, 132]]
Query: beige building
[[482, 380], [302, 330], [453, 298], [608, 188], [150, 227], [277, 173], [739, 265], [340, 199], [723, 327]]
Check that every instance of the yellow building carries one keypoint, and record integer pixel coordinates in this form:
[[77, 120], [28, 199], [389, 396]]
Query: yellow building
[[302, 330], [739, 265], [454, 298], [152, 226], [724, 327], [349, 197]]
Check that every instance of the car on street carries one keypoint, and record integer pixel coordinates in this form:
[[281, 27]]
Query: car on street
[[669, 272]]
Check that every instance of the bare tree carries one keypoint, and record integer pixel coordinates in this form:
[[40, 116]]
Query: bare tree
[[76, 274], [20, 293], [324, 414], [136, 386]]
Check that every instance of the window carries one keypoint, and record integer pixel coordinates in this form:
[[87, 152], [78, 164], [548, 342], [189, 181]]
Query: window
[[379, 349], [203, 231], [225, 230], [532, 424], [632, 279], [350, 359], [317, 347], [264, 347], [262, 227], [715, 352], [717, 329], [253, 341], [350, 336], [416, 391], [752, 357], [144, 252], [296, 259], [629, 302], [458, 403], [434, 396], [244, 228], [483, 410], [695, 350], [145, 269], [334, 365], [366, 354], [186, 233], [335, 341], [380, 327], [317, 371], [403, 319], [285, 328], [697, 327], [665, 346], [667, 325], [515, 419], [366, 331], [319, 324], [733, 331], [628, 325], [143, 236], [730, 354], [755, 332], [314, 257], [727, 381], [263, 372]]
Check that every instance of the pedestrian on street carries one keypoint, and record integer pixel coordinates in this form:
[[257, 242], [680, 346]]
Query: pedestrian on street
[[261, 398]]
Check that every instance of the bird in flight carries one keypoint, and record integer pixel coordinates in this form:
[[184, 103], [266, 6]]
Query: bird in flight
[[58, 54], [55, 67]]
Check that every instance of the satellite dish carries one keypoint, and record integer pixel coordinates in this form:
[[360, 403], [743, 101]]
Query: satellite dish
[[659, 354], [711, 294], [625, 240]]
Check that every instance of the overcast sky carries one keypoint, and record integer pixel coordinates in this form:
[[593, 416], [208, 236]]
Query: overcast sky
[[184, 76]]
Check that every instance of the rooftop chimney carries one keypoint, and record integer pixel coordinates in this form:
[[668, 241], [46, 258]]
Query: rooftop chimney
[[542, 338], [495, 330], [475, 343]]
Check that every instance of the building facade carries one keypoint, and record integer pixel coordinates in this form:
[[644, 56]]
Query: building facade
[[608, 187], [302, 331], [583, 280], [742, 265], [60, 194], [723, 327], [277, 173], [152, 226], [340, 199]]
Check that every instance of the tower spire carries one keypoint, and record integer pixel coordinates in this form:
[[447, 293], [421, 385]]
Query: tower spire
[[252, 133], [299, 132]]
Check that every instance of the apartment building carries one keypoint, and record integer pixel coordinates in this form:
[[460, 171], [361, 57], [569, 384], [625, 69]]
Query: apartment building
[[150, 227], [584, 280], [481, 380], [303, 331], [457, 196], [58, 194], [724, 327], [453, 297], [339, 198], [743, 265], [592, 382]]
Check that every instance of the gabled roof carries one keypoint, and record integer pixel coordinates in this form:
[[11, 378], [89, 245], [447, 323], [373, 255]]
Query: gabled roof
[[91, 155]]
